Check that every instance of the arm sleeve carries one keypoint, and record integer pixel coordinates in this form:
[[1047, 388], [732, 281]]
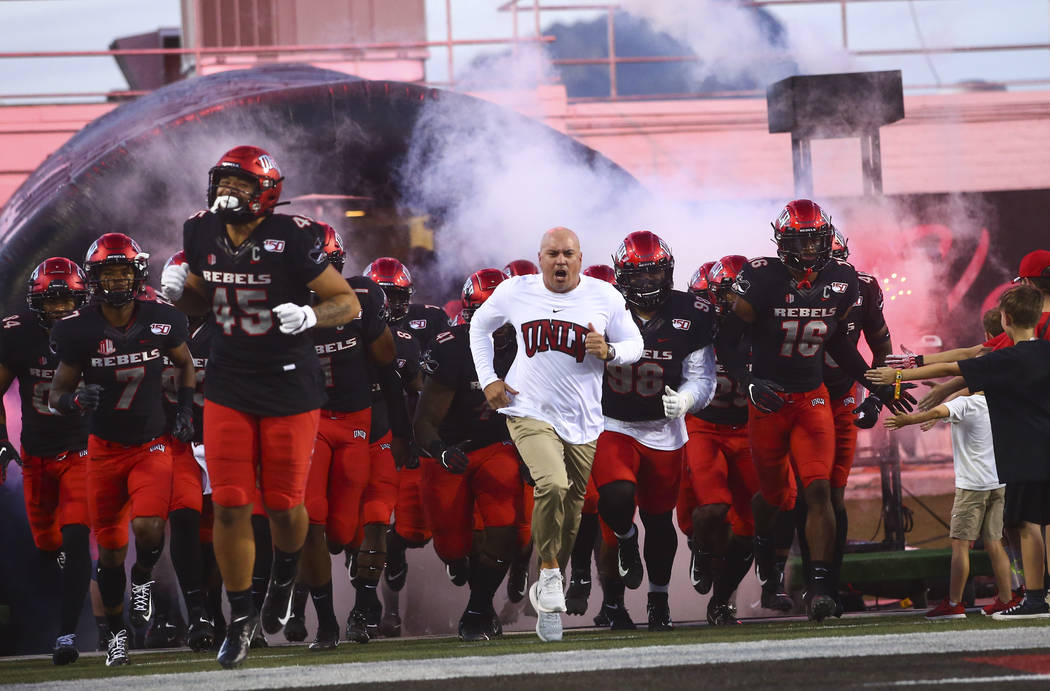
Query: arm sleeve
[[484, 321], [624, 335], [997, 342], [64, 345], [731, 346], [844, 352], [180, 330], [698, 376], [873, 319]]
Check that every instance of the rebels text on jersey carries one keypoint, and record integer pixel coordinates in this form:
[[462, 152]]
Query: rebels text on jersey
[[792, 322], [682, 325], [342, 350], [469, 417], [407, 362], [199, 344], [254, 367], [423, 322], [866, 316], [25, 351], [729, 405], [126, 362]]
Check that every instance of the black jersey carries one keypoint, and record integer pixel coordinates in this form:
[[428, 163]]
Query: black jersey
[[127, 362], [25, 351], [254, 367], [729, 405], [343, 351], [199, 344], [469, 418], [793, 322], [407, 363], [424, 322], [682, 325], [866, 316]]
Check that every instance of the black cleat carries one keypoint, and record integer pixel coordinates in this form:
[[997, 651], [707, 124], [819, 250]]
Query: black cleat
[[629, 561], [776, 599], [326, 639], [579, 592], [240, 637], [474, 626], [396, 571], [277, 607], [295, 629], [258, 639], [200, 635], [65, 650], [720, 613], [495, 625], [659, 613], [363, 624], [161, 633], [700, 571], [458, 571], [390, 625], [117, 649], [820, 607], [141, 603], [517, 580], [614, 616]]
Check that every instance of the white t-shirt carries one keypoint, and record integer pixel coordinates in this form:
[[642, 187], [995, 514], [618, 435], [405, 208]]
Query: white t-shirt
[[557, 381], [972, 443]]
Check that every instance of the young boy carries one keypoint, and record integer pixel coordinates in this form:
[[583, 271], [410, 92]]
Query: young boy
[[979, 497], [1016, 383]]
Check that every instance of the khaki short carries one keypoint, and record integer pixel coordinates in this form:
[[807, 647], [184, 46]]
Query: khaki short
[[978, 513]]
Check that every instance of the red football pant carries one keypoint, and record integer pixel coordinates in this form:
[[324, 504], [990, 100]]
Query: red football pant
[[125, 483], [339, 473], [655, 473], [845, 437], [409, 520], [187, 486], [492, 481], [55, 491], [718, 469], [799, 437], [243, 448]]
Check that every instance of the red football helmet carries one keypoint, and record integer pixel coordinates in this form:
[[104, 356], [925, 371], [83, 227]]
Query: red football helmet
[[803, 233], [332, 246], [520, 267], [396, 281], [644, 269], [452, 308], [254, 165], [839, 245], [720, 279], [477, 289], [458, 319], [56, 278], [116, 249], [602, 272], [698, 284]]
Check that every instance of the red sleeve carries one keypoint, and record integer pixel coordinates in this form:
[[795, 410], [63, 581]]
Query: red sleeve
[[999, 342]]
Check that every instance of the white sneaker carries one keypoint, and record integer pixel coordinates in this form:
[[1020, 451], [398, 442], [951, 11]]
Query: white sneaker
[[548, 626], [547, 593]]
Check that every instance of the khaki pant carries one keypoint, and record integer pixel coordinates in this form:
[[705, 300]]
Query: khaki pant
[[561, 471], [978, 513]]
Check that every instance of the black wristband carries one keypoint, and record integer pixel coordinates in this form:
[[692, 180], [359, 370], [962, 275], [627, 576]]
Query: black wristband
[[919, 360], [186, 397]]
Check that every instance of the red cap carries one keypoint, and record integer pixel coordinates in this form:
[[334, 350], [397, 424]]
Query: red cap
[[1034, 265]]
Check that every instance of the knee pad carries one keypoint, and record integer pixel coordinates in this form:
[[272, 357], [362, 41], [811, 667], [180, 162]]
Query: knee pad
[[369, 564]]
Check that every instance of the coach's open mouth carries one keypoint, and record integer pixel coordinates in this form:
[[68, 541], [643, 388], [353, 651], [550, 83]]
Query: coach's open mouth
[[561, 273]]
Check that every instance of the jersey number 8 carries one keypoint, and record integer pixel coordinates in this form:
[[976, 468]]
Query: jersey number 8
[[646, 379]]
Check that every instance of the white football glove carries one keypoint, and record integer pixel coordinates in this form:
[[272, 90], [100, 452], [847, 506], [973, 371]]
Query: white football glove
[[295, 319], [677, 404], [173, 281]]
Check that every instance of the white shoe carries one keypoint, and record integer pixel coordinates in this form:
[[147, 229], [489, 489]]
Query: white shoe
[[547, 593], [548, 626]]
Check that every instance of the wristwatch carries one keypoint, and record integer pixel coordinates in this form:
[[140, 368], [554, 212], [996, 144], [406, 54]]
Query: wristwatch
[[611, 354]]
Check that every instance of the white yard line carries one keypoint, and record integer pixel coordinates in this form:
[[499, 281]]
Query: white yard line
[[561, 662]]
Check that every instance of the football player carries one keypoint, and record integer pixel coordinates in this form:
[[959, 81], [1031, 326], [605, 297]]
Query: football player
[[54, 449], [699, 283], [718, 480], [255, 271], [603, 272], [117, 343], [639, 457], [471, 460], [795, 304], [520, 267]]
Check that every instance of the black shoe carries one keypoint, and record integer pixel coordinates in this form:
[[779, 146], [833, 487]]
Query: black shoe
[[258, 639], [517, 580], [277, 607], [614, 616], [240, 638], [200, 635], [396, 572], [776, 599], [117, 649], [458, 571], [327, 639], [629, 561], [141, 603], [1030, 607], [819, 607], [474, 626], [161, 633], [295, 629], [700, 571], [65, 650], [495, 625], [390, 625], [659, 613], [579, 592], [720, 613], [363, 624]]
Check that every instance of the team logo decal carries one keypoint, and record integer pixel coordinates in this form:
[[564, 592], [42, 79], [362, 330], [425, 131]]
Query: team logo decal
[[267, 163], [418, 324], [273, 245], [789, 298], [817, 401], [741, 286], [160, 329], [211, 259], [106, 347], [401, 362], [157, 447], [837, 287], [681, 324], [42, 360], [360, 434], [849, 400]]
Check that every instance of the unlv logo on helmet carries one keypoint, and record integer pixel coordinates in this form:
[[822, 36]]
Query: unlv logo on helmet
[[396, 281], [804, 235], [644, 269]]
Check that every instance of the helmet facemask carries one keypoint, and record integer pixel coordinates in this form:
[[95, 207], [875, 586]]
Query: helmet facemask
[[231, 203], [397, 299], [806, 249], [113, 291], [645, 287]]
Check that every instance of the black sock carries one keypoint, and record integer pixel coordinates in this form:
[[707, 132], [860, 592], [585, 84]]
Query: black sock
[[241, 604], [323, 605], [186, 555], [76, 575], [263, 559], [147, 557], [115, 622], [583, 548], [661, 543], [612, 591], [484, 580], [616, 505], [285, 565], [765, 559], [737, 563], [820, 577], [395, 551], [299, 597], [841, 532], [780, 565], [112, 580], [367, 597]]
